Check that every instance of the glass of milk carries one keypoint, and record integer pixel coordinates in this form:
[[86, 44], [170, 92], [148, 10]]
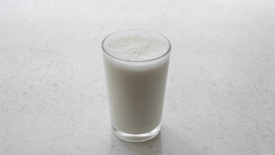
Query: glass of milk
[[136, 65]]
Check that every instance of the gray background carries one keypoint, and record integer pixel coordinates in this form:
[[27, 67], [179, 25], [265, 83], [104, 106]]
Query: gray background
[[220, 96]]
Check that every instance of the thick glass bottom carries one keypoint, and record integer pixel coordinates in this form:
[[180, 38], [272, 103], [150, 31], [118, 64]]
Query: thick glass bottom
[[136, 137]]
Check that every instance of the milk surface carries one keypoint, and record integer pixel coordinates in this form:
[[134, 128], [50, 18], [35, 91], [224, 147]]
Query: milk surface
[[136, 89], [136, 48]]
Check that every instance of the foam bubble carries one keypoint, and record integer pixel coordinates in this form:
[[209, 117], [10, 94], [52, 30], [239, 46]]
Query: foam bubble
[[136, 48]]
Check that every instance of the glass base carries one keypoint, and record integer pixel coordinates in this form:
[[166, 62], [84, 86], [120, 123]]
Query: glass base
[[136, 137]]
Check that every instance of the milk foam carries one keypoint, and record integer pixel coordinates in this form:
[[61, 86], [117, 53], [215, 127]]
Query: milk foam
[[136, 48]]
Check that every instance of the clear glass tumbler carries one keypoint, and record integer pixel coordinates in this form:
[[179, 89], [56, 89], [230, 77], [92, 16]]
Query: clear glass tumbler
[[136, 84]]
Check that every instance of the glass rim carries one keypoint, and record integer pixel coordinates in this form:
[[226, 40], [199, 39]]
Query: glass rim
[[161, 56]]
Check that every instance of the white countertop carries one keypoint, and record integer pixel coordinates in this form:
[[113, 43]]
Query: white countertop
[[220, 97]]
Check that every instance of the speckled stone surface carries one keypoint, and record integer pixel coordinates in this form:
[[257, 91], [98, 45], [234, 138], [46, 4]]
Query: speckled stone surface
[[220, 97]]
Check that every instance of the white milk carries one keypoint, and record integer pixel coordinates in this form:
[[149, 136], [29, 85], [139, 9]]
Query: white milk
[[136, 89]]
